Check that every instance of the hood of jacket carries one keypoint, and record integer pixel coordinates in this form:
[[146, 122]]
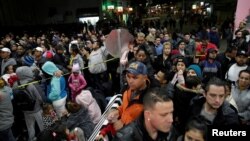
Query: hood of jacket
[[24, 74], [49, 67], [85, 98]]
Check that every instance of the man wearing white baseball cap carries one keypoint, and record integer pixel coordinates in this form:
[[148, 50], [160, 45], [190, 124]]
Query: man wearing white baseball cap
[[6, 60], [38, 56]]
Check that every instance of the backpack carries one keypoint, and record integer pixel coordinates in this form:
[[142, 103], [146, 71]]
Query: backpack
[[23, 99]]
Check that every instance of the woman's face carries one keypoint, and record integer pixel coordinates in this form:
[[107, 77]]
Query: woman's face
[[141, 56], [167, 49], [193, 135], [180, 66]]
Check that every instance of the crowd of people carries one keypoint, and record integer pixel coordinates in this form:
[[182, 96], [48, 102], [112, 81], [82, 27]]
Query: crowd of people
[[168, 80]]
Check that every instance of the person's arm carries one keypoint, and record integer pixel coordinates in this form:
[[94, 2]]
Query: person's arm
[[70, 83], [245, 116], [104, 131], [82, 82], [55, 89]]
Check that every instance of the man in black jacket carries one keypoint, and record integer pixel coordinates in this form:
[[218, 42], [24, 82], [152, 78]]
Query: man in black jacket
[[212, 106], [156, 122]]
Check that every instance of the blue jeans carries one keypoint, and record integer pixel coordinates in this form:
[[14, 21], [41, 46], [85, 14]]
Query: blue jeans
[[6, 135]]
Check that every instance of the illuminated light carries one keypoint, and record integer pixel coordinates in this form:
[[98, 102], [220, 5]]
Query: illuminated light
[[202, 3], [130, 9], [111, 7], [208, 9], [171, 7], [194, 6], [119, 9]]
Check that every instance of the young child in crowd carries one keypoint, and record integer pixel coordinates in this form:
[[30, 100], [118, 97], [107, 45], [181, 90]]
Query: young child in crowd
[[76, 81], [49, 116], [180, 64], [10, 75], [4, 88], [109, 128]]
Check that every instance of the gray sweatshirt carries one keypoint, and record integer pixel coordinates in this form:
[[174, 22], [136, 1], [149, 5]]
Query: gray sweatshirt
[[6, 111]]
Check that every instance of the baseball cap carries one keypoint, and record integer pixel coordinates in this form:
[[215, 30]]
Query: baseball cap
[[39, 49], [180, 58], [242, 52], [137, 68], [211, 50], [5, 49]]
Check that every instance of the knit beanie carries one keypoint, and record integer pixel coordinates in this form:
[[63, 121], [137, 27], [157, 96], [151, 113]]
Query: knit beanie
[[28, 60], [197, 70], [75, 67]]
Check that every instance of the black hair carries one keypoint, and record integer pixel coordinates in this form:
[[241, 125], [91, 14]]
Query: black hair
[[192, 81], [7, 68], [215, 81], [181, 41], [154, 95], [197, 123], [231, 48], [75, 48], [244, 71]]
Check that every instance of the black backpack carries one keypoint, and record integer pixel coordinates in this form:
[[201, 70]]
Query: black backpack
[[23, 99]]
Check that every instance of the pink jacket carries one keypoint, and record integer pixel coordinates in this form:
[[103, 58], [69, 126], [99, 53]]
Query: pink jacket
[[86, 100], [76, 83]]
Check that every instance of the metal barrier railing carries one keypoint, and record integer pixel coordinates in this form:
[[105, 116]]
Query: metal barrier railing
[[103, 117]]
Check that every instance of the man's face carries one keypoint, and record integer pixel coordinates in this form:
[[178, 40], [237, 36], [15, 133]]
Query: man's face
[[191, 72], [166, 37], [160, 76], [89, 44], [233, 53], [161, 116], [244, 80], [241, 60], [213, 54], [157, 41], [140, 40], [182, 46], [4, 54], [37, 53], [239, 34], [187, 37], [20, 50], [136, 82], [215, 96]]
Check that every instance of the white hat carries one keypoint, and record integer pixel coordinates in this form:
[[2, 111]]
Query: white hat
[[5, 49], [39, 49]]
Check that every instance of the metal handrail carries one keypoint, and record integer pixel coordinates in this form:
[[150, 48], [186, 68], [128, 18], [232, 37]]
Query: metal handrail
[[103, 118]]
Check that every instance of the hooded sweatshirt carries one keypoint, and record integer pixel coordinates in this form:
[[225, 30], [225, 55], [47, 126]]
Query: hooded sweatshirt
[[86, 100], [25, 76], [6, 111], [56, 88]]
